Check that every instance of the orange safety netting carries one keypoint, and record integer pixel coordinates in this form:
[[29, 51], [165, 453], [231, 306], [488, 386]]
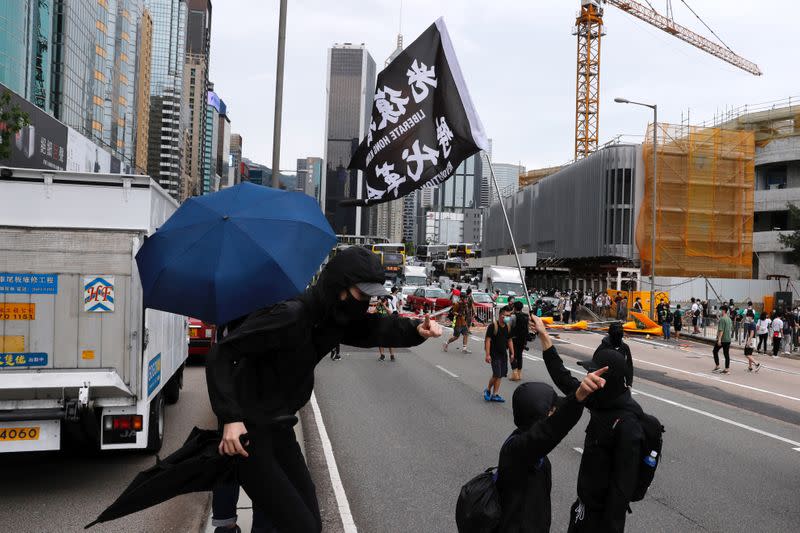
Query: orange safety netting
[[704, 202]]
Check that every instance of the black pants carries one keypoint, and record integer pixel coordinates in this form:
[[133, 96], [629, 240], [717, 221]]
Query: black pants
[[762, 338], [582, 520], [276, 478], [519, 347], [726, 351], [776, 345]]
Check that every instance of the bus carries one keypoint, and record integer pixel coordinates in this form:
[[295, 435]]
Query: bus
[[393, 264], [431, 252], [391, 248], [462, 250]]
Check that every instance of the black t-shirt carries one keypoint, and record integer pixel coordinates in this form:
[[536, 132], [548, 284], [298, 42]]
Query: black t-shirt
[[499, 338]]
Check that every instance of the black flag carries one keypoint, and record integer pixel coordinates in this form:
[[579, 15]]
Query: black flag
[[423, 121]]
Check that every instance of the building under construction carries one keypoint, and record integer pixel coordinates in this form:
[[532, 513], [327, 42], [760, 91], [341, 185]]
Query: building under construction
[[591, 221]]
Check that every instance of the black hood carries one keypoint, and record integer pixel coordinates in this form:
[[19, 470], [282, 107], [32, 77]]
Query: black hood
[[348, 267], [531, 402], [615, 376]]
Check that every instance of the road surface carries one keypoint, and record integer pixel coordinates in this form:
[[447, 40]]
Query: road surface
[[407, 435]]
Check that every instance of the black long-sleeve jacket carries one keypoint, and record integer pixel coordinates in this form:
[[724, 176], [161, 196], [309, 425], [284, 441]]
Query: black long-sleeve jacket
[[524, 477], [611, 452], [265, 368]]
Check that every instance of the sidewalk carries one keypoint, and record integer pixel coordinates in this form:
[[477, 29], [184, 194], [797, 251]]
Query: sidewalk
[[244, 509]]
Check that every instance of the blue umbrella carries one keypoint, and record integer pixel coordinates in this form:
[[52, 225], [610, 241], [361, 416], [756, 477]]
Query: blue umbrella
[[223, 255]]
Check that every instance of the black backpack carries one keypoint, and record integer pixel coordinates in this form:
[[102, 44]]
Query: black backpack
[[478, 508], [653, 442]]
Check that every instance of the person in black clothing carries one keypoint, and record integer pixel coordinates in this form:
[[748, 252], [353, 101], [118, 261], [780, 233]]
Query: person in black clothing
[[498, 346], [519, 334], [614, 341], [265, 369], [524, 476], [612, 449]]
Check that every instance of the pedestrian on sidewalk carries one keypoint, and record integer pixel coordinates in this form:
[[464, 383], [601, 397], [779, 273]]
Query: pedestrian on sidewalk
[[737, 317], [695, 310], [460, 324], [664, 317], [777, 333], [520, 335], [265, 370], [724, 329], [498, 346], [677, 322], [749, 322], [524, 476], [788, 332], [762, 330], [567, 309]]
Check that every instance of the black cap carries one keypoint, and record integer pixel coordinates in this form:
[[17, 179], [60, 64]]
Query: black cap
[[614, 360]]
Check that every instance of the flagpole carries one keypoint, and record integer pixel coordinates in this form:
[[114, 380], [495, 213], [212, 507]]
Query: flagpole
[[510, 233]]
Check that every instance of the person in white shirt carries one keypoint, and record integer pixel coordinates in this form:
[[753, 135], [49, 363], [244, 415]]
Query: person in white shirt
[[777, 333], [695, 316], [762, 330]]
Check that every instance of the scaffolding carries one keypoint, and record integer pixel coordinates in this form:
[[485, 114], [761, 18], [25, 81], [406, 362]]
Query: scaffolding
[[704, 202]]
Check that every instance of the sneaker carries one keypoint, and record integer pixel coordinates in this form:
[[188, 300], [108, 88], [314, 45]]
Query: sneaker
[[758, 367], [726, 371], [444, 347], [774, 356], [337, 357], [391, 357], [749, 368], [382, 358], [465, 350], [497, 398], [717, 370], [487, 395]]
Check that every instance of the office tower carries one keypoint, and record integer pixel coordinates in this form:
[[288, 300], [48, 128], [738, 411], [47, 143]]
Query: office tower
[[167, 116], [223, 153], [309, 176], [25, 53], [195, 94], [236, 157], [350, 88], [144, 58]]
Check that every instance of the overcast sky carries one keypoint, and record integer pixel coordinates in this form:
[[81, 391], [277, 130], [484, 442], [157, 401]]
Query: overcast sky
[[518, 58]]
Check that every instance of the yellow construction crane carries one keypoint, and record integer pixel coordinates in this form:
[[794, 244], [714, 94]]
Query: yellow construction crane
[[589, 29]]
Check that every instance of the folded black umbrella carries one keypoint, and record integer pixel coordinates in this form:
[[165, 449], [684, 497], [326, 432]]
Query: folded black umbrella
[[196, 467]]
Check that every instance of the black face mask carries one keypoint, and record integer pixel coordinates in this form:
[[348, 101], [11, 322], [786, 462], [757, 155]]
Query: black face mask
[[349, 310]]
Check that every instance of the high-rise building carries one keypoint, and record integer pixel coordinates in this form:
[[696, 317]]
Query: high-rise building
[[195, 93], [410, 203], [309, 176], [168, 116], [93, 71], [25, 52], [236, 157], [507, 176], [223, 154], [144, 57], [350, 85], [486, 179], [210, 171]]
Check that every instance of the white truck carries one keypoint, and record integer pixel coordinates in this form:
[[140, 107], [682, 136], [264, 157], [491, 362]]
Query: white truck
[[415, 276], [80, 358], [506, 279]]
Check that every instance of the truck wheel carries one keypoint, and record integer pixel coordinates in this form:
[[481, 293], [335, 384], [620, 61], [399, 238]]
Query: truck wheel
[[155, 425], [172, 390]]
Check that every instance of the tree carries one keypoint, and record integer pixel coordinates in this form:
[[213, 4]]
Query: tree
[[410, 249], [12, 119], [792, 240]]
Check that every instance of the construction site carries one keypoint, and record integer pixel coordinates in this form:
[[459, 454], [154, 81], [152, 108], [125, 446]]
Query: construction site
[[702, 204]]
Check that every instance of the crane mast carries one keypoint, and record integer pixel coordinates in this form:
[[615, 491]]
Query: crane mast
[[589, 30]]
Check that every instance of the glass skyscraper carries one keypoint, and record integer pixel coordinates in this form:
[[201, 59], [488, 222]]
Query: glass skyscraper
[[167, 116], [350, 88], [25, 49]]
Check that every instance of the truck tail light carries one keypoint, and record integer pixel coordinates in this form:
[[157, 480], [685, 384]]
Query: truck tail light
[[122, 422]]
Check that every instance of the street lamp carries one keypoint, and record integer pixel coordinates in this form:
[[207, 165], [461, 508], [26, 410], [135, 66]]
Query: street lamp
[[654, 107]]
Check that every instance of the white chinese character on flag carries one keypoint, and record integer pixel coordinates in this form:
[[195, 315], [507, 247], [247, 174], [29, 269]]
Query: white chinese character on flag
[[444, 135], [419, 157], [392, 179], [419, 77], [390, 105]]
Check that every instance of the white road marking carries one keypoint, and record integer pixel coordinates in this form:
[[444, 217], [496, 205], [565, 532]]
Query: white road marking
[[579, 450], [722, 419], [443, 369], [796, 449], [348, 523]]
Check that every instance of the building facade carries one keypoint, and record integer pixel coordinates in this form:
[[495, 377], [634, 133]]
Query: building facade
[[144, 58], [486, 179], [210, 171], [168, 116], [309, 176], [350, 85], [25, 49], [236, 157], [507, 176], [223, 153]]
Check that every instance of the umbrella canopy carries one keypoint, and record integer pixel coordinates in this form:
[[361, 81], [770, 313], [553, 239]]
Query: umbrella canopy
[[226, 254], [196, 467]]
